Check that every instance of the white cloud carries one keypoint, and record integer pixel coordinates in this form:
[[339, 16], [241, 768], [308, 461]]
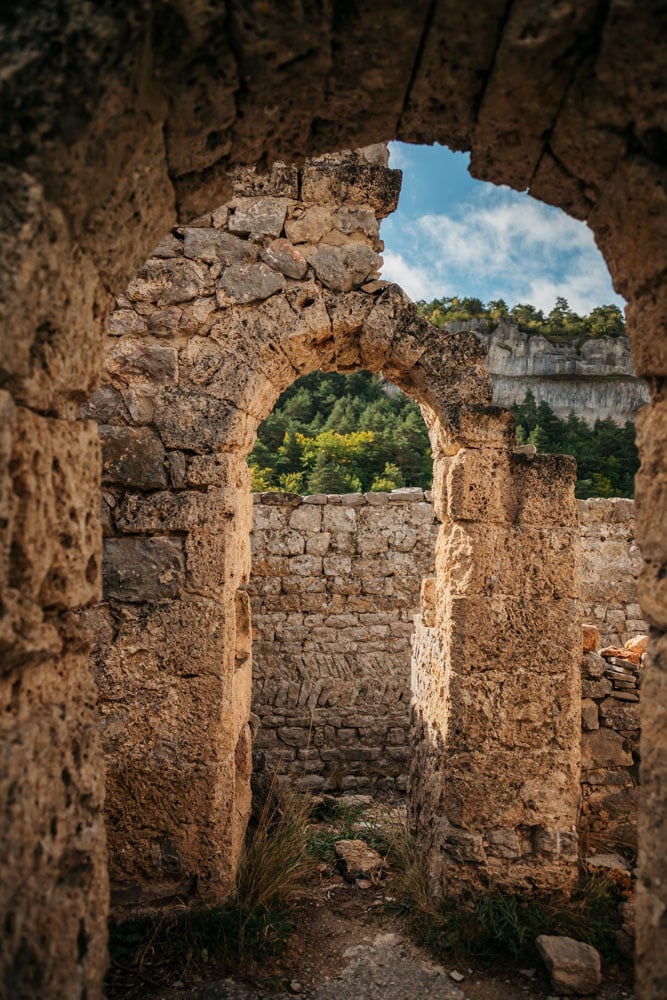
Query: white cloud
[[416, 281], [499, 244]]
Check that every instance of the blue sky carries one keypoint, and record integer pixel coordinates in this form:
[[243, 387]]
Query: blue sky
[[453, 235]]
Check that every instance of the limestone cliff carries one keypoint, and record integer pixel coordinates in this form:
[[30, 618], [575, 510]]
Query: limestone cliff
[[593, 379]]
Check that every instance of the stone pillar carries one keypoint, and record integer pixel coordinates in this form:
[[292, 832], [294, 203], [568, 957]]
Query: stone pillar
[[173, 668], [495, 778], [651, 510]]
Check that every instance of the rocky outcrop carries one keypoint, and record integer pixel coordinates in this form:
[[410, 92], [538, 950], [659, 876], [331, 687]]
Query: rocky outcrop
[[594, 379]]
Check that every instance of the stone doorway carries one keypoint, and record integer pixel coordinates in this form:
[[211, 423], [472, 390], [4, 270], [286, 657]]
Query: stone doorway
[[211, 330]]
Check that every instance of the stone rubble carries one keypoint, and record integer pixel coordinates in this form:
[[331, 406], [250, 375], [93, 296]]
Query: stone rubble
[[574, 967]]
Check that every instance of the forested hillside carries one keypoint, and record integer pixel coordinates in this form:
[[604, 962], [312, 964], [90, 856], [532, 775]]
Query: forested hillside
[[561, 324], [332, 433]]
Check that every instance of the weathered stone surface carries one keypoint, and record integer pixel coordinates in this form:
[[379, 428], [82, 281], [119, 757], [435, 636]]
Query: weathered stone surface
[[574, 967], [603, 748], [282, 256], [143, 569], [166, 282], [133, 456], [243, 283], [213, 245], [260, 216], [357, 858], [55, 545], [591, 638], [342, 268]]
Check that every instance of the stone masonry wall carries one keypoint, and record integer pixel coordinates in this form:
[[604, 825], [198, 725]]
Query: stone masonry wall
[[609, 753], [334, 593], [610, 566], [334, 589]]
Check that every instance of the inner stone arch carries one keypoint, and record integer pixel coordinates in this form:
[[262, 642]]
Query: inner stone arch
[[219, 321]]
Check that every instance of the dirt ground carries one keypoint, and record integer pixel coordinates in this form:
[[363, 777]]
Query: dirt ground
[[348, 944]]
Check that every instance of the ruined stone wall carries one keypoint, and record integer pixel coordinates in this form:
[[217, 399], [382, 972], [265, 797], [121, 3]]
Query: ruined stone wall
[[108, 134], [334, 589], [610, 567], [609, 754]]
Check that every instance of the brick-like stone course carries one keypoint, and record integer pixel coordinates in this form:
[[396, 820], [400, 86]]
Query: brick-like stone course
[[611, 562], [334, 589]]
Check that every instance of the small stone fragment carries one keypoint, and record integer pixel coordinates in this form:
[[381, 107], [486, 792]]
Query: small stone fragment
[[574, 967], [357, 858], [243, 283], [458, 977], [591, 637], [283, 257], [638, 645]]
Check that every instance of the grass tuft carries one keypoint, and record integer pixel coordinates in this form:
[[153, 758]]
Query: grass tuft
[[497, 924], [253, 924]]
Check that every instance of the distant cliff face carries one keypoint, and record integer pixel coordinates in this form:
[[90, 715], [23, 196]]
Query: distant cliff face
[[594, 380]]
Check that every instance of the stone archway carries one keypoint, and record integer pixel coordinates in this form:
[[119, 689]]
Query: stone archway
[[221, 319], [132, 118]]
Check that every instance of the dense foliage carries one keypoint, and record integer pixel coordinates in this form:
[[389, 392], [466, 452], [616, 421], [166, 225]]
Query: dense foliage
[[561, 324], [606, 454], [332, 433]]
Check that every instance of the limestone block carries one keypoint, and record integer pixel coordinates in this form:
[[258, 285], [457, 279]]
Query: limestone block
[[327, 181], [306, 518], [603, 748], [282, 180], [619, 715], [262, 216], [339, 519], [574, 967], [244, 283], [125, 321], [282, 256], [310, 225], [318, 545], [53, 864], [589, 714], [168, 513], [133, 456], [214, 245], [342, 268], [494, 559], [358, 220], [193, 421], [132, 360], [168, 282], [591, 638], [143, 569], [481, 626], [55, 554], [207, 365]]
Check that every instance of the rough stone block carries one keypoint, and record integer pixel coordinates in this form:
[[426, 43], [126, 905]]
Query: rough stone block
[[343, 268], [259, 216], [168, 282], [245, 283], [215, 246], [603, 748], [327, 181], [56, 534], [133, 457], [143, 569], [282, 256], [194, 421], [574, 967]]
